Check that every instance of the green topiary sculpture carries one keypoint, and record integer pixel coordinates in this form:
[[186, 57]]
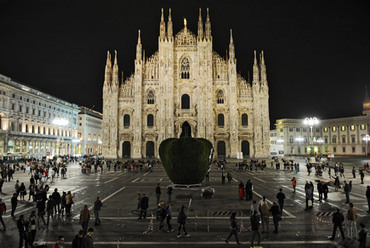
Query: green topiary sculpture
[[185, 160]]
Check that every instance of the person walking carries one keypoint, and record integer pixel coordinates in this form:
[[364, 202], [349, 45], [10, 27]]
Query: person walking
[[351, 221], [69, 201], [309, 195], [77, 242], [85, 218], [346, 191], [181, 220], [249, 190], [169, 193], [233, 229], [158, 193], [21, 225], [161, 214], [362, 236], [40, 205], [144, 204], [320, 189], [265, 212], [49, 209], [281, 196], [325, 190], [362, 176], [169, 216], [57, 200], [275, 211], [97, 207], [2, 211], [22, 191], [337, 220], [294, 184], [255, 222], [354, 172], [32, 224], [241, 191], [368, 198], [14, 202], [336, 183], [88, 241]]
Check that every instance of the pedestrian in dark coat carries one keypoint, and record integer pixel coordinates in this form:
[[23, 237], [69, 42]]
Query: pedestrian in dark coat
[[21, 225], [181, 220], [233, 229], [362, 236], [97, 207], [144, 204], [255, 222], [325, 190], [78, 240], [337, 220], [275, 211], [14, 202], [368, 198], [281, 196], [346, 191], [169, 193], [88, 241], [320, 189], [85, 218], [158, 193], [362, 176]]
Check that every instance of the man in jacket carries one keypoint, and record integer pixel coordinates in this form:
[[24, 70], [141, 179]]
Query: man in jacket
[[275, 211], [320, 189], [78, 240], [351, 220], [346, 191], [255, 222], [362, 236], [97, 207], [337, 220], [32, 224], [57, 200], [181, 220], [281, 196], [265, 212], [233, 229], [84, 218], [158, 193], [88, 241], [144, 204], [21, 225], [14, 202]]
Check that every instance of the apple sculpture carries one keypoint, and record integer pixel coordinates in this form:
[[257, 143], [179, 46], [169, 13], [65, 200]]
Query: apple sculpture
[[186, 160]]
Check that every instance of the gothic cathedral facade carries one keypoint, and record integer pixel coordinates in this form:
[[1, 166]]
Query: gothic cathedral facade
[[185, 88]]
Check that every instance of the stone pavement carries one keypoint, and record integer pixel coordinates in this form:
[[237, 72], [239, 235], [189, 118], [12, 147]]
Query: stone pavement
[[207, 223]]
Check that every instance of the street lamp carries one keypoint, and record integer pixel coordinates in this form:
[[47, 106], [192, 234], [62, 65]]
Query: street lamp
[[311, 121], [366, 138]]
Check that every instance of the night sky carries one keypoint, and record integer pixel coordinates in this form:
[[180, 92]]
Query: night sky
[[317, 52]]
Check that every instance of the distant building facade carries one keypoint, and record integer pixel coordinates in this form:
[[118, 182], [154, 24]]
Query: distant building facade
[[185, 88], [89, 132], [33, 123]]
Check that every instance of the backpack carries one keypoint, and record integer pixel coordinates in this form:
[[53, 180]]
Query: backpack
[[2, 208]]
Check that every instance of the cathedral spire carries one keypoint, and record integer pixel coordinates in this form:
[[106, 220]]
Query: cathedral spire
[[138, 48], [208, 27], [162, 27], [256, 72], [122, 79], [200, 25], [108, 70], [231, 47], [263, 70], [115, 81], [169, 26]]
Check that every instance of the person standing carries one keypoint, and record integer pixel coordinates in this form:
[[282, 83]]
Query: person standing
[[60, 243], [294, 184], [181, 220], [233, 229], [255, 222], [336, 183], [241, 191], [275, 211], [325, 190], [158, 193], [362, 176], [169, 216], [144, 204], [346, 191], [57, 200], [354, 172], [2, 211], [362, 236], [351, 221], [14, 202], [49, 209], [32, 223], [249, 190], [337, 220], [21, 225], [85, 218], [281, 196], [97, 207], [169, 193], [368, 198], [88, 241], [77, 242], [265, 212], [309, 195], [41, 210], [69, 202], [320, 189]]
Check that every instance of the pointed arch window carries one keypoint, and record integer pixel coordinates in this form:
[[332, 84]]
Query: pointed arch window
[[185, 101], [185, 68], [220, 97], [126, 121], [221, 120], [150, 97], [150, 120], [244, 120]]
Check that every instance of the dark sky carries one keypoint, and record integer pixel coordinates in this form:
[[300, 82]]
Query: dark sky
[[317, 52]]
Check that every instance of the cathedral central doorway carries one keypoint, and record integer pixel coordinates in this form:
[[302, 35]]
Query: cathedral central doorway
[[126, 149], [150, 149], [186, 130], [245, 148], [221, 149]]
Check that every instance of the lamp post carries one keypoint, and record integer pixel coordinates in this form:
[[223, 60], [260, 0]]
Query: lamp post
[[311, 121], [366, 138]]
